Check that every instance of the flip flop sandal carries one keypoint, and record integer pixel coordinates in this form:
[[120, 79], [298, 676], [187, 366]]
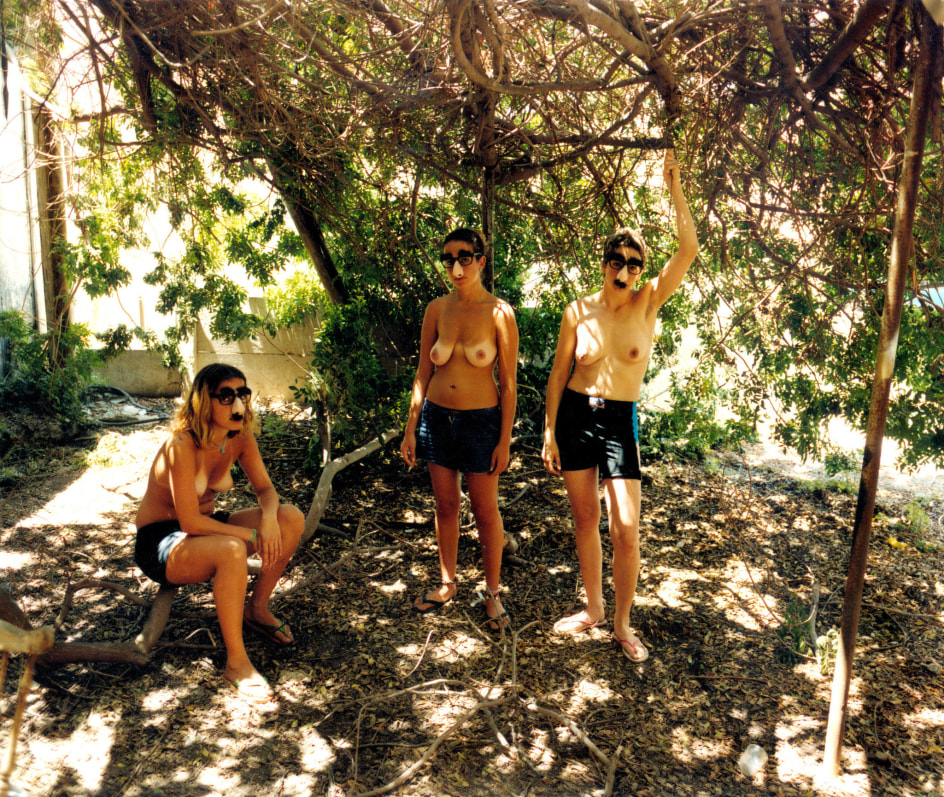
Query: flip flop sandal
[[254, 691], [271, 632], [497, 623], [434, 605], [577, 627], [638, 658]]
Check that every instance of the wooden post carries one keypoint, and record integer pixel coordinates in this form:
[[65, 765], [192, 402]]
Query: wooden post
[[926, 72]]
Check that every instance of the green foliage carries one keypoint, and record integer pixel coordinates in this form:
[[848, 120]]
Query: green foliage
[[537, 330], [692, 428], [793, 634], [827, 646], [915, 523], [837, 461], [348, 388], [49, 371], [301, 297]]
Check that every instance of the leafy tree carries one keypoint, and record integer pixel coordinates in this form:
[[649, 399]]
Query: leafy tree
[[392, 118]]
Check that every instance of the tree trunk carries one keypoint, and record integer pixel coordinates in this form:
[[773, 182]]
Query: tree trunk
[[926, 72], [488, 225], [310, 231], [50, 184]]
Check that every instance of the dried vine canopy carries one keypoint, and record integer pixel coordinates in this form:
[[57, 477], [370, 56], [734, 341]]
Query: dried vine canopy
[[789, 118]]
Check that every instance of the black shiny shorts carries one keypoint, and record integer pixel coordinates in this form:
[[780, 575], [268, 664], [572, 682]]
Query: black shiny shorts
[[462, 440], [598, 432], [153, 543]]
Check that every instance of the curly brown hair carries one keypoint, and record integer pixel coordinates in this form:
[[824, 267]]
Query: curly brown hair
[[195, 414]]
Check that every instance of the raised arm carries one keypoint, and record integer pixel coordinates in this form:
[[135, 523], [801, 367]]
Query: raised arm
[[556, 382], [673, 272], [506, 331]]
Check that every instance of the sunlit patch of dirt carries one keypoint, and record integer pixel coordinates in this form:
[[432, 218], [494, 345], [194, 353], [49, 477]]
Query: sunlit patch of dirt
[[731, 557]]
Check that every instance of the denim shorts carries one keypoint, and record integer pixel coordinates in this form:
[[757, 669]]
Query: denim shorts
[[462, 440], [153, 543], [598, 432]]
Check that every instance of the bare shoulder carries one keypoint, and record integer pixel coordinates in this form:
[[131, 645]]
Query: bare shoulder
[[502, 310], [180, 443], [585, 305], [435, 307]]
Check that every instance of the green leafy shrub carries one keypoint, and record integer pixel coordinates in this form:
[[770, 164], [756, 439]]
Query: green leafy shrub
[[691, 428], [47, 371]]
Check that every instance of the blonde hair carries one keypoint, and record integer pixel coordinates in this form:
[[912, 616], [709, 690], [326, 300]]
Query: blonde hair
[[196, 413]]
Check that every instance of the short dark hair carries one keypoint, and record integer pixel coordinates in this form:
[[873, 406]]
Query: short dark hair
[[472, 237], [625, 236]]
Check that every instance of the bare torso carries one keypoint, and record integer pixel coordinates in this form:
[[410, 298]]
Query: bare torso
[[613, 345], [212, 476], [464, 353]]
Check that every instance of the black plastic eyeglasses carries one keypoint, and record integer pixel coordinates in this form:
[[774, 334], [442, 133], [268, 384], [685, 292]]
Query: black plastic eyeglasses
[[633, 265], [464, 259], [227, 395]]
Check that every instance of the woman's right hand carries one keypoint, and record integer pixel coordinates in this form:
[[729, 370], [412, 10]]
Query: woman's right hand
[[551, 455], [408, 448]]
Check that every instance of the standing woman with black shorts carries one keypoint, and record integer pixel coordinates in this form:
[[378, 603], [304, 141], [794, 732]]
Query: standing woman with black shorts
[[591, 430], [460, 420], [182, 540]]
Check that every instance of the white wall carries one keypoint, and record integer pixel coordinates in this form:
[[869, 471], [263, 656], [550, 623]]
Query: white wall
[[19, 234]]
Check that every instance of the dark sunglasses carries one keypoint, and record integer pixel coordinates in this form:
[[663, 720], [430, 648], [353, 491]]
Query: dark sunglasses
[[633, 265], [227, 395], [464, 259]]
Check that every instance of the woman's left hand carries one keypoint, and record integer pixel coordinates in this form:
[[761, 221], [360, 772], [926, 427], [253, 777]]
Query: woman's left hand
[[501, 456]]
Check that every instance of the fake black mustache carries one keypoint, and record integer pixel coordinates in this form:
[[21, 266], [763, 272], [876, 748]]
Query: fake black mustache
[[236, 416], [620, 283]]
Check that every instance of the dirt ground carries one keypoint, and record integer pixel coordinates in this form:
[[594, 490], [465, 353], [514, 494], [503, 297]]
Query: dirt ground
[[375, 697]]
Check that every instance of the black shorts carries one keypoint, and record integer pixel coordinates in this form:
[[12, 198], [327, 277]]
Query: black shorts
[[462, 440], [598, 432], [153, 543]]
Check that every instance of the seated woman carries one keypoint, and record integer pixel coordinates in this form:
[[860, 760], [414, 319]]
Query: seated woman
[[181, 540]]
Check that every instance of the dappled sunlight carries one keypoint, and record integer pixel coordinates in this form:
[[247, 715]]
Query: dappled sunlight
[[10, 560], [586, 693], [452, 648], [398, 587], [86, 754], [438, 710], [155, 702], [689, 748], [674, 586]]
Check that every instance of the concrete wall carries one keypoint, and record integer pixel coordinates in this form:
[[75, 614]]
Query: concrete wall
[[271, 366], [140, 373]]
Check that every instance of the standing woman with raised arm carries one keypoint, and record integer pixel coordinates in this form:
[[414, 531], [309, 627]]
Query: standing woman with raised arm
[[460, 421], [591, 428], [181, 540]]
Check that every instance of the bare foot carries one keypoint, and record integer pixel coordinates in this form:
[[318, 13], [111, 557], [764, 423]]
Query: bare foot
[[577, 624], [250, 686]]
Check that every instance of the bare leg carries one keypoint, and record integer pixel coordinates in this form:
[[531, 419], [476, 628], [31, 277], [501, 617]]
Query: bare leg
[[196, 559], [483, 494], [448, 495], [584, 494], [623, 498], [291, 524]]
